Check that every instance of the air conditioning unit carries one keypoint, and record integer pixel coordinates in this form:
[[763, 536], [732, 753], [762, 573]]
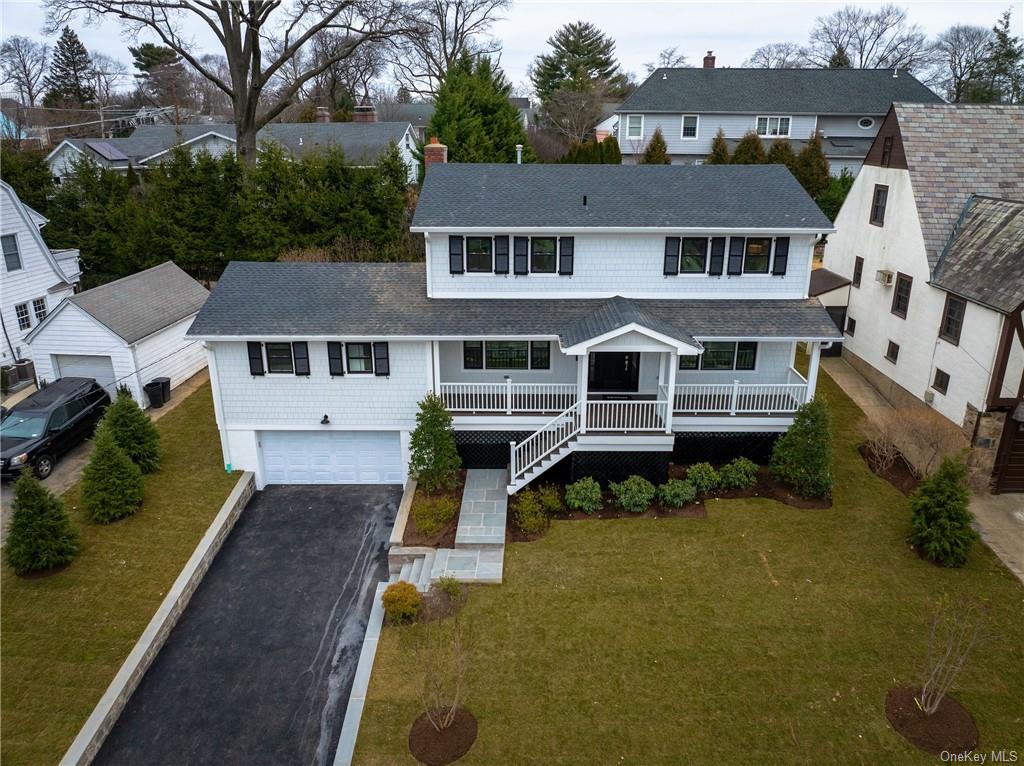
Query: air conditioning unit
[[885, 278], [929, 397]]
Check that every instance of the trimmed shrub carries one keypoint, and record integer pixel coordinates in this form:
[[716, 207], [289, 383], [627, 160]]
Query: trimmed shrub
[[635, 494], [401, 602], [741, 473], [449, 586], [433, 457], [432, 514], [529, 512], [550, 499], [940, 516], [703, 477], [111, 482], [802, 457], [676, 493], [133, 431], [40, 536], [584, 495]]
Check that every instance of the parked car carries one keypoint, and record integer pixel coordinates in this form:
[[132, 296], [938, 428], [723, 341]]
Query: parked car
[[42, 427]]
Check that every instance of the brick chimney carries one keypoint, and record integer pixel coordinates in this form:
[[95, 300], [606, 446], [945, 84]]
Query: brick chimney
[[434, 153], [709, 60], [323, 114], [365, 112]]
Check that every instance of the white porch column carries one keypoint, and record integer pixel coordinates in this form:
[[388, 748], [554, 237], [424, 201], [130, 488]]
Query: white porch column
[[812, 368], [582, 373], [435, 354], [672, 359]]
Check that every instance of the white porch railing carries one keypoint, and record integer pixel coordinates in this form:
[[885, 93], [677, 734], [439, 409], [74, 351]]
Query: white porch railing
[[739, 398], [543, 442], [508, 397], [647, 415]]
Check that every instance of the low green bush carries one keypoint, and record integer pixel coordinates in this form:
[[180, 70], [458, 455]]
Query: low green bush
[[940, 516], [529, 512], [676, 493], [741, 473], [550, 499], [432, 514], [584, 495], [449, 586], [401, 602], [635, 494], [703, 476]]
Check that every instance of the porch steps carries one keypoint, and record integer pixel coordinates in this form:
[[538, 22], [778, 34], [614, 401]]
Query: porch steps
[[542, 466]]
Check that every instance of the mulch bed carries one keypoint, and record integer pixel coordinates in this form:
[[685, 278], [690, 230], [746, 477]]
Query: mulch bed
[[437, 748], [767, 486], [437, 605], [949, 729], [899, 474], [446, 537]]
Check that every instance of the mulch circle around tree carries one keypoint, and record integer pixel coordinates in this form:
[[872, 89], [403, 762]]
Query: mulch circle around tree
[[950, 729], [446, 537], [437, 748], [899, 474]]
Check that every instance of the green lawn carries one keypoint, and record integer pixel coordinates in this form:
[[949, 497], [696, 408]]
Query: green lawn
[[64, 637], [764, 634]]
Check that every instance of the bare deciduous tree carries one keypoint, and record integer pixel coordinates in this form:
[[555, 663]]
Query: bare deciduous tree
[[667, 59], [573, 110], [445, 662], [882, 444], [23, 64], [244, 31], [958, 626], [108, 77], [871, 39], [961, 53], [776, 56]]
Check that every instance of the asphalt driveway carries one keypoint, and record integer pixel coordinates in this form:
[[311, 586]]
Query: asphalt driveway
[[259, 668]]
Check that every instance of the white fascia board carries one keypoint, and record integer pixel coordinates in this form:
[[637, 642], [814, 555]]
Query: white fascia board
[[364, 338], [680, 346], [805, 231], [162, 152], [60, 146]]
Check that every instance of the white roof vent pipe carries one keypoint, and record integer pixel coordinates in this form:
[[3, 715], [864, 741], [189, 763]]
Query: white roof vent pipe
[[519, 154]]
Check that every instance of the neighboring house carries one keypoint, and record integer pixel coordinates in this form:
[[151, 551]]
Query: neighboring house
[[124, 333], [35, 278], [417, 115], [833, 290], [609, 124], [690, 105], [362, 142], [932, 239], [600, 314], [527, 112]]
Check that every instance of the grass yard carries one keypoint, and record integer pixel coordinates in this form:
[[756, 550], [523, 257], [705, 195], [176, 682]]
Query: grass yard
[[764, 634], [65, 636]]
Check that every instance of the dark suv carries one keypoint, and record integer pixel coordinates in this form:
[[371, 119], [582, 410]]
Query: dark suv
[[42, 427]]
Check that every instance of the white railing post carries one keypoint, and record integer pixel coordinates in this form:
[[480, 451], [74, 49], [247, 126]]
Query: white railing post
[[812, 370], [672, 362], [508, 395], [512, 460], [735, 396]]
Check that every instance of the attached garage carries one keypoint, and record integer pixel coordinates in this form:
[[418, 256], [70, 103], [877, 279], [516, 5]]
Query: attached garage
[[87, 366], [332, 457]]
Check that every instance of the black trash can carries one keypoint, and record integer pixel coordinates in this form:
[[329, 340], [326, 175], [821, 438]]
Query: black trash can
[[165, 386], [155, 392]]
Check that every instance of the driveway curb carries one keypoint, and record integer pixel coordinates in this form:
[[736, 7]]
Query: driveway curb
[[103, 717]]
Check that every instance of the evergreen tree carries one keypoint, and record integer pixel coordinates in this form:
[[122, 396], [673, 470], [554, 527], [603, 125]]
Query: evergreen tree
[[1005, 64], [656, 152], [610, 152], [831, 200], [719, 150], [433, 456], [840, 59], [40, 536], [749, 151], [578, 51], [940, 516], [802, 457], [69, 81], [812, 169], [161, 73], [28, 174], [133, 431], [781, 153], [111, 482]]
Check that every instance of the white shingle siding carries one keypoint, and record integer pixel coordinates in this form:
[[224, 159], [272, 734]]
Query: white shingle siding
[[733, 125], [619, 264]]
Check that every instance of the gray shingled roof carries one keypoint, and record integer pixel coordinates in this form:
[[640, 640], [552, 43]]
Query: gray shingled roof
[[776, 91], [141, 304], [984, 261], [707, 196], [390, 300], [954, 151], [416, 114], [614, 313]]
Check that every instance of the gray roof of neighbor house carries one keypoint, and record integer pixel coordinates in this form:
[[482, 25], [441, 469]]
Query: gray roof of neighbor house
[[984, 260], [775, 91], [630, 196], [254, 300], [415, 114], [141, 304], [954, 151]]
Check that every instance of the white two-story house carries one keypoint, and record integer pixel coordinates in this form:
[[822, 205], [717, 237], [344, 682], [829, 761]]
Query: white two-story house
[[592, 314], [35, 278], [690, 105]]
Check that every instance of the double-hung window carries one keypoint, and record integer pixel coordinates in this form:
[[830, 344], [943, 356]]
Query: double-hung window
[[12, 258], [21, 311], [723, 355], [635, 126], [878, 200], [478, 255], [858, 270], [694, 257], [543, 254], [756, 255], [506, 355], [952, 319], [360, 358], [279, 358], [689, 128], [773, 127], [39, 308], [901, 295]]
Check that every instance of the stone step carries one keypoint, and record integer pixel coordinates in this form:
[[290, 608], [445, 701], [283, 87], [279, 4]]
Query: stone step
[[417, 567], [440, 562], [423, 583], [405, 572]]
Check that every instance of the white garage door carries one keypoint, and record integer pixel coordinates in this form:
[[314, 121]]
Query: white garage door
[[332, 457], [81, 366]]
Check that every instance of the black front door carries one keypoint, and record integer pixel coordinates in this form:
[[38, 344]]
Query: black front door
[[614, 371]]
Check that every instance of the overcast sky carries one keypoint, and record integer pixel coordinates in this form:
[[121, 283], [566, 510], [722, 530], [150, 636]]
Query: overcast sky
[[641, 28]]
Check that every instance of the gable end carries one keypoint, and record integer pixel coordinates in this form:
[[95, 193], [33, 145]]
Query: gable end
[[890, 129]]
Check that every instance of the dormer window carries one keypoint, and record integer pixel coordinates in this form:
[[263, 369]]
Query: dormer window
[[773, 127]]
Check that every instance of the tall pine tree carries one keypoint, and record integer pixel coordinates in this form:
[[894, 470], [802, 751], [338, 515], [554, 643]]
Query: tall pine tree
[[578, 51], [1005, 64], [812, 170], [656, 152], [719, 150], [840, 59], [781, 153], [69, 82], [749, 151]]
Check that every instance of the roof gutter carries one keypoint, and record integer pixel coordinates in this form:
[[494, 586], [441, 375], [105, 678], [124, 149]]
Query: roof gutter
[[808, 230]]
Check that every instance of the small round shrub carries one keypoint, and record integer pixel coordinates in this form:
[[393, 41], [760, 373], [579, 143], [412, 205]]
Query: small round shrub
[[676, 493], [802, 457], [703, 476], [635, 494], [741, 473], [529, 512], [402, 602], [550, 499], [584, 495], [449, 586], [432, 514], [940, 515]]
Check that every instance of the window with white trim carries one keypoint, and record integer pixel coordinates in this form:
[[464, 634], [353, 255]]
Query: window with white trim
[[773, 127], [689, 128], [723, 355], [24, 321], [635, 126], [279, 358], [360, 357], [39, 307], [506, 355], [12, 257]]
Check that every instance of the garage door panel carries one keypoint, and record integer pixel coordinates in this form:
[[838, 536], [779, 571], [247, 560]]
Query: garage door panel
[[87, 366], [332, 457]]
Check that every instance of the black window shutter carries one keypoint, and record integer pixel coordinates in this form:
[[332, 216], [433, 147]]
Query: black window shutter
[[736, 255], [522, 255], [300, 353], [337, 367], [781, 255], [455, 255], [255, 357], [671, 256], [717, 256], [501, 255], [381, 361], [566, 247]]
